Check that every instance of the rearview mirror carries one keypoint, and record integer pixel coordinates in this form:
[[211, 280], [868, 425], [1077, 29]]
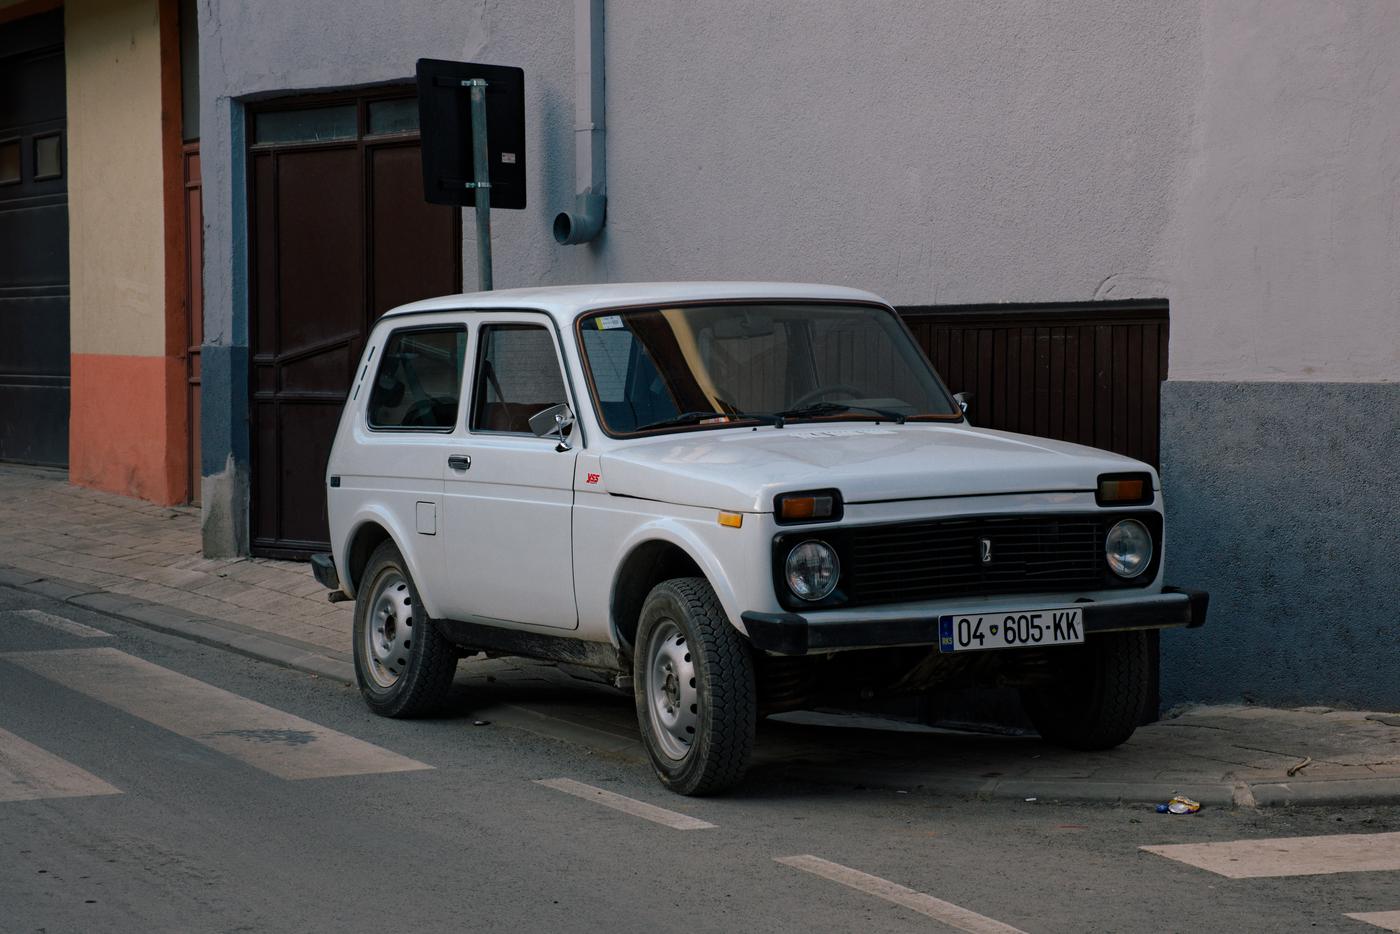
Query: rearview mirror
[[749, 325], [554, 421]]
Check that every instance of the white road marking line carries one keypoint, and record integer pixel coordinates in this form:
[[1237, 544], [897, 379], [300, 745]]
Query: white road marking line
[[1389, 920], [28, 773], [1289, 856], [265, 738], [62, 624], [618, 802], [936, 908]]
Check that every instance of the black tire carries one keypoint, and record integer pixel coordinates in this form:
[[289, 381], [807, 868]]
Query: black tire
[[1100, 696], [684, 617], [415, 679]]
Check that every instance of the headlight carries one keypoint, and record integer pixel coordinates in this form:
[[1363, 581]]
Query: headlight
[[812, 570], [1128, 548]]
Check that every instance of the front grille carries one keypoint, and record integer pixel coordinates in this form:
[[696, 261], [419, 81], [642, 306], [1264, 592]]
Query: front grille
[[942, 558]]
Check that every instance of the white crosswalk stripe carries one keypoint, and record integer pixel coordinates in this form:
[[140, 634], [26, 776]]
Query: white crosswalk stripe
[[1385, 920], [954, 916], [673, 819], [263, 737], [62, 624], [1289, 856], [28, 773]]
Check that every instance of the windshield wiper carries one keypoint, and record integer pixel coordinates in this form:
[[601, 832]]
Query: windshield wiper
[[831, 408], [695, 418]]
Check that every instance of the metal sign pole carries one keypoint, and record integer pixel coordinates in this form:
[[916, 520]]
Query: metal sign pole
[[481, 172]]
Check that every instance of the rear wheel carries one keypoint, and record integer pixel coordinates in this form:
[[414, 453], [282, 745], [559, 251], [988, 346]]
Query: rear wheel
[[693, 680], [403, 664], [1100, 694]]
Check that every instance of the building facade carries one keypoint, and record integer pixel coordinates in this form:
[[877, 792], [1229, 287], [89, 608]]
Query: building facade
[[94, 278], [1169, 229]]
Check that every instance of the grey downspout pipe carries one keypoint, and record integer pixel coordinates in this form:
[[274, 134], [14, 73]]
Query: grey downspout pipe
[[590, 134]]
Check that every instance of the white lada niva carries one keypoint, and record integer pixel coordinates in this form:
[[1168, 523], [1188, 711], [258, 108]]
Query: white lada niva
[[742, 498]]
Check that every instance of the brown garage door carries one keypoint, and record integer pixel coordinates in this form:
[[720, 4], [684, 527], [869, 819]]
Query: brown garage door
[[341, 234], [34, 374], [1087, 373]]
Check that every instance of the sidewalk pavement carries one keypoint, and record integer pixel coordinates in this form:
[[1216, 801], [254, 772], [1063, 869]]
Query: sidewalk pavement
[[141, 562]]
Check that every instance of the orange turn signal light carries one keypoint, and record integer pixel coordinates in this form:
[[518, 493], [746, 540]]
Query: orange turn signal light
[[1124, 490], [814, 506], [731, 520]]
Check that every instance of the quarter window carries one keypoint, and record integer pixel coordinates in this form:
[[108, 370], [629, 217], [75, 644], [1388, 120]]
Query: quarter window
[[419, 380], [517, 375]]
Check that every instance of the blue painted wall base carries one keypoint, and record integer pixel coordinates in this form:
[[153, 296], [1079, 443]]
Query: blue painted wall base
[[1283, 502]]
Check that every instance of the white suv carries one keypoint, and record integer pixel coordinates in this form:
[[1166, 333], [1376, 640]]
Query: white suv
[[740, 497]]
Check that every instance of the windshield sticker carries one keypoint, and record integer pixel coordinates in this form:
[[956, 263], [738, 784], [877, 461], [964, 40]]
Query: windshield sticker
[[609, 322], [843, 432]]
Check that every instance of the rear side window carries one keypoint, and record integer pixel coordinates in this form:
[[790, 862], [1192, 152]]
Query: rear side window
[[419, 381], [517, 375]]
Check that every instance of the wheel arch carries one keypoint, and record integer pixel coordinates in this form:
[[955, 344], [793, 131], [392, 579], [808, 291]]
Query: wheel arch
[[368, 532], [649, 561]]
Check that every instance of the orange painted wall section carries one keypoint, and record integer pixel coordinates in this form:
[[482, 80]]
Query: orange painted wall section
[[126, 426]]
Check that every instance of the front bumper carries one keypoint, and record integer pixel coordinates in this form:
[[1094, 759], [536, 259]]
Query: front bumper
[[793, 634]]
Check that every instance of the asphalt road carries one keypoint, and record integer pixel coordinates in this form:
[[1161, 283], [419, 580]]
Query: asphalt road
[[152, 784]]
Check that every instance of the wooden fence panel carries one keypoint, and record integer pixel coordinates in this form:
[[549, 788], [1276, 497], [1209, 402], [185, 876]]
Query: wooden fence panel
[[1088, 373]]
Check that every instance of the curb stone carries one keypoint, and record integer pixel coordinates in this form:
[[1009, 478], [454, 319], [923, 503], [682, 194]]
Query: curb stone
[[215, 633]]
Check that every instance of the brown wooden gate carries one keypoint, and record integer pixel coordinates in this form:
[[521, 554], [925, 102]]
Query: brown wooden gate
[[1088, 373], [341, 234]]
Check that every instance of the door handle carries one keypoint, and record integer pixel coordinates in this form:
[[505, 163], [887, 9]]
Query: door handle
[[459, 461]]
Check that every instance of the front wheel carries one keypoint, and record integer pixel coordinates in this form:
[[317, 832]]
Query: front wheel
[[403, 664], [1099, 696], [693, 680]]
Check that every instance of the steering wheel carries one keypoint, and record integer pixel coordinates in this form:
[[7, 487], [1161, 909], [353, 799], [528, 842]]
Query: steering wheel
[[821, 391]]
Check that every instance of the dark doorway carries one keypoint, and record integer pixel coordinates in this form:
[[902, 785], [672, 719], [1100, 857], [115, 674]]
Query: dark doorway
[[34, 370], [1088, 373], [340, 234]]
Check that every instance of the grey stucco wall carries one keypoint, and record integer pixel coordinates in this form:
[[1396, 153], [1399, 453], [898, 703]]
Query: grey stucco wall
[[933, 152], [1283, 502], [1288, 213]]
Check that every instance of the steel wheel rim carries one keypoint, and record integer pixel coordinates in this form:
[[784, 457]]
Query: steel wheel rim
[[673, 702], [389, 629]]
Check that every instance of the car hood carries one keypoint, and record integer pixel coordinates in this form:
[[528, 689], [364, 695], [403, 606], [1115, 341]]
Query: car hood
[[743, 469]]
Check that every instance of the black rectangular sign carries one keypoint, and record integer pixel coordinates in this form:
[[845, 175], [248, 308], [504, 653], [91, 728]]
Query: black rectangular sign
[[445, 122]]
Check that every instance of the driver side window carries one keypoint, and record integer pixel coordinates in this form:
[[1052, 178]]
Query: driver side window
[[517, 375], [419, 380]]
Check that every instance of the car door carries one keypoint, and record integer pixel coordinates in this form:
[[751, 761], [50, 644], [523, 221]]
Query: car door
[[409, 425], [509, 494]]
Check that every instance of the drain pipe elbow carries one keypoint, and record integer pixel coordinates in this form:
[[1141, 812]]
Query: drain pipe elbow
[[586, 220]]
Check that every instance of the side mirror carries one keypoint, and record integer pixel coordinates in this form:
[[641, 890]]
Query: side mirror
[[963, 399], [554, 421]]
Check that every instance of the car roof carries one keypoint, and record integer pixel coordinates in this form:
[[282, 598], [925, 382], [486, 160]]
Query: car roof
[[565, 302]]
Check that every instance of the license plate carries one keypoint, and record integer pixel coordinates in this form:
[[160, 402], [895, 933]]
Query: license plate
[[1023, 629]]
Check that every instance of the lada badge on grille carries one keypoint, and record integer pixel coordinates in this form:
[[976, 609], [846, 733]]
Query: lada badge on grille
[[986, 550]]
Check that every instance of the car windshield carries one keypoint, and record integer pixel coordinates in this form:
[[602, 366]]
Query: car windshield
[[700, 366]]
